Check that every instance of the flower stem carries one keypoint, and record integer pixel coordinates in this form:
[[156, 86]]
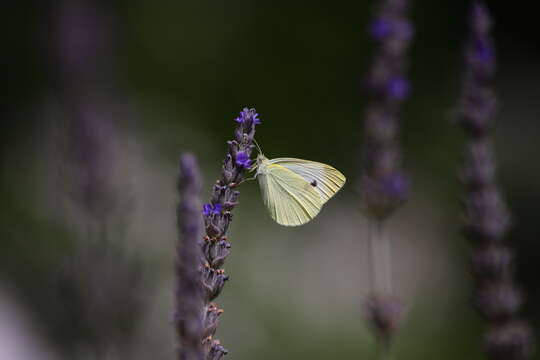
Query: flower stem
[[384, 351], [379, 259], [380, 278]]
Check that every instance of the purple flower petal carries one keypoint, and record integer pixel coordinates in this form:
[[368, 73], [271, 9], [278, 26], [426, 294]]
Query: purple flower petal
[[256, 119], [398, 88], [242, 159], [483, 52], [380, 28], [207, 209], [247, 115], [217, 209]]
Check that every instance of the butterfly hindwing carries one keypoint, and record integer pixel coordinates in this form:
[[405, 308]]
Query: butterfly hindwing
[[290, 199], [324, 178]]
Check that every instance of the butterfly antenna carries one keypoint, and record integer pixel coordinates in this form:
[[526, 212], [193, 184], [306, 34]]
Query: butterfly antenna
[[258, 147]]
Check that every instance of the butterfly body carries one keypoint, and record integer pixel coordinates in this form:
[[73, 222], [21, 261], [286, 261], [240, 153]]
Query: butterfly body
[[294, 190]]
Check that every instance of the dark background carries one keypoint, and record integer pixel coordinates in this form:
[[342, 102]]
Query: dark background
[[170, 76]]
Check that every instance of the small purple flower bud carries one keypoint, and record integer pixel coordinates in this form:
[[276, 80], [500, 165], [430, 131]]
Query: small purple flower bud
[[380, 28], [209, 209], [483, 52], [398, 88], [242, 159], [398, 185], [211, 320], [403, 30], [509, 341], [246, 115], [480, 19], [498, 300], [383, 313], [487, 217], [219, 252], [213, 281], [381, 196], [492, 262], [215, 350]]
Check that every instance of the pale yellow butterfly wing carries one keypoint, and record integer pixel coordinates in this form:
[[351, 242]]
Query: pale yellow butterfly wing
[[291, 200], [327, 180]]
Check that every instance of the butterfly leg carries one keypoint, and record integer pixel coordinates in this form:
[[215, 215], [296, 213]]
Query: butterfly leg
[[247, 179]]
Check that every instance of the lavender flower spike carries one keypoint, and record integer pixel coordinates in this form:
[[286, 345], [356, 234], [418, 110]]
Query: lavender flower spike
[[383, 185], [217, 218], [189, 292], [496, 296]]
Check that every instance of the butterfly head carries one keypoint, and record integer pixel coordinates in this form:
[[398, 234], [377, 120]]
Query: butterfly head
[[261, 159], [260, 163]]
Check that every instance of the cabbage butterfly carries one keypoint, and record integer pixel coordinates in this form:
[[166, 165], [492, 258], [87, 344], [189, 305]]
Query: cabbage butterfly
[[294, 190]]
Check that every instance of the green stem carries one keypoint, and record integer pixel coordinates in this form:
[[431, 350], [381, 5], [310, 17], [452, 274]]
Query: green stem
[[384, 350]]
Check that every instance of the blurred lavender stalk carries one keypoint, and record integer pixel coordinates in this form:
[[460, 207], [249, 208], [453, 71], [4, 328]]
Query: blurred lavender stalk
[[217, 218], [98, 284], [487, 219], [383, 186], [189, 291], [80, 55]]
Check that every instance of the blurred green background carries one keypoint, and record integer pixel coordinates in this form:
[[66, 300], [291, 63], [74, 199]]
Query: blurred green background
[[101, 97]]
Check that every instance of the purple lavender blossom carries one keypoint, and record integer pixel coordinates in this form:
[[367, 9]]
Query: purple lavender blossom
[[398, 88], [383, 185], [242, 159], [380, 28], [483, 52], [211, 209], [496, 296], [248, 115]]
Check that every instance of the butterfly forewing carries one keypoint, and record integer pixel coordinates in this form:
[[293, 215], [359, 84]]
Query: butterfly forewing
[[324, 178], [290, 199]]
